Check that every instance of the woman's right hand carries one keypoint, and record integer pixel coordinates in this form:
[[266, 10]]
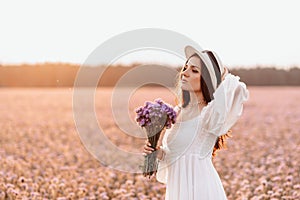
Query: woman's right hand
[[147, 148]]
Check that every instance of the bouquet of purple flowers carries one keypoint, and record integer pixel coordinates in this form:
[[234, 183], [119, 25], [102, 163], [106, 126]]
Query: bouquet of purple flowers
[[154, 117]]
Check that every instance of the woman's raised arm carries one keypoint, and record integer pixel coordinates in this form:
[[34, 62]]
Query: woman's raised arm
[[227, 106]]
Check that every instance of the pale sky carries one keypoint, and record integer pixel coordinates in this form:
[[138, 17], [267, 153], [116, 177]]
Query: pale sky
[[243, 33]]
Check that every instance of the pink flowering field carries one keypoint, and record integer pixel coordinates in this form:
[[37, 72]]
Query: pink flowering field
[[42, 157]]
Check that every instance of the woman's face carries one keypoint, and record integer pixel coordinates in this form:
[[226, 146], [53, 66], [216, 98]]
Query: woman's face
[[190, 75]]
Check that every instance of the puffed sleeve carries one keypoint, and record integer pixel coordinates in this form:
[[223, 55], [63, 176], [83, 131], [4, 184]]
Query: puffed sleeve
[[226, 107]]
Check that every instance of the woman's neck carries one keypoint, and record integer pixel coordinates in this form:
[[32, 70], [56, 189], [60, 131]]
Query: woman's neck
[[193, 108], [196, 98]]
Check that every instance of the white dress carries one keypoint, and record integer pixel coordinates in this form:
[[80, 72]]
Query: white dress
[[187, 168]]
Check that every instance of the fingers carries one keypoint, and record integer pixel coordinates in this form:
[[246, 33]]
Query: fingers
[[226, 70], [147, 149], [224, 73], [148, 145]]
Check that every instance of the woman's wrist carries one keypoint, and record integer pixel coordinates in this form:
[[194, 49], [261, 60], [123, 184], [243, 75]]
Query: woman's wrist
[[161, 153]]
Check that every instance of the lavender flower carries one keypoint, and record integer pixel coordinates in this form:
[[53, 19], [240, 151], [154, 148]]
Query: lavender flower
[[151, 111]]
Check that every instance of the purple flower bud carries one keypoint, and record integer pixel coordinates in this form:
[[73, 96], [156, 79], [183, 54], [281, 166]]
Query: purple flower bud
[[155, 111]]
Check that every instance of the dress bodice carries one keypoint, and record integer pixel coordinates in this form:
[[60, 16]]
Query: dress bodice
[[188, 137]]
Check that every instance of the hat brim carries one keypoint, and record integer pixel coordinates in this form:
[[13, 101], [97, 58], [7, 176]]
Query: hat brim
[[189, 51]]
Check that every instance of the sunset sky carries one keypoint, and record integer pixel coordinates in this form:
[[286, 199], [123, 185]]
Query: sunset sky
[[243, 33]]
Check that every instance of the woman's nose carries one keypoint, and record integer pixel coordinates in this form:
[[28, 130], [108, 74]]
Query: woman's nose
[[185, 72]]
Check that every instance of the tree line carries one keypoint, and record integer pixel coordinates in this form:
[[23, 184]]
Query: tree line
[[64, 75]]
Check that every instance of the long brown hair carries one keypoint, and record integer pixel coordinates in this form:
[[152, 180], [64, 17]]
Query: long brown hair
[[207, 91]]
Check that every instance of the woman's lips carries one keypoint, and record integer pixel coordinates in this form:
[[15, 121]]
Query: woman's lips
[[183, 81]]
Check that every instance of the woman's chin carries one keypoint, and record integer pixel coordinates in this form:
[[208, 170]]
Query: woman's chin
[[190, 89], [185, 88]]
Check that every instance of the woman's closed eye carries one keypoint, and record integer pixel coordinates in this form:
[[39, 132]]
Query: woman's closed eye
[[195, 71]]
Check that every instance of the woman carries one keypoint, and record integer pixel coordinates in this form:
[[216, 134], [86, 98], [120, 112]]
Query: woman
[[210, 101]]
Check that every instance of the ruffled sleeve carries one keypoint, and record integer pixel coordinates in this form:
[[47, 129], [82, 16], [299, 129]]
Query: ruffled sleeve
[[226, 107]]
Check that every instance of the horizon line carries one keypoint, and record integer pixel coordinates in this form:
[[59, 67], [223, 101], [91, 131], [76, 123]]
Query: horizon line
[[242, 66]]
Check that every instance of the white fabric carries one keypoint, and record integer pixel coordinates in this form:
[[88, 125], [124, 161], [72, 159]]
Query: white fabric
[[227, 107], [187, 169]]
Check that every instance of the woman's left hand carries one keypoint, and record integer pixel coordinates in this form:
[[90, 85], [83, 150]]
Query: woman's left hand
[[224, 73]]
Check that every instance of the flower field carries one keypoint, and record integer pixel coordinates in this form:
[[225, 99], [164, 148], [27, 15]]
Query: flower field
[[42, 156]]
